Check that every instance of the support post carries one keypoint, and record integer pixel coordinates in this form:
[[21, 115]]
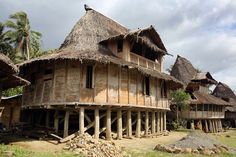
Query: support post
[[210, 126], [206, 127], [66, 124], [153, 122], [97, 124], [138, 125], [81, 120], [157, 122], [164, 121], [146, 123], [56, 121], [119, 125], [108, 124], [161, 123], [129, 124]]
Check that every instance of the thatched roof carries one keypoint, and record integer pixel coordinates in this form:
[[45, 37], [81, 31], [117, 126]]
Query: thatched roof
[[224, 92], [7, 66], [83, 43], [147, 36], [184, 71], [202, 98], [8, 74]]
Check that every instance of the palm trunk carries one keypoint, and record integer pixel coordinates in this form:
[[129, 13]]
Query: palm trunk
[[27, 48]]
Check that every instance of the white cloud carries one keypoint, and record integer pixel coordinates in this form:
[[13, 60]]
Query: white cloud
[[202, 31]]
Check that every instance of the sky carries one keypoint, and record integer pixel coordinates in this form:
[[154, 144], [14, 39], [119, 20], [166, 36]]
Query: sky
[[202, 31]]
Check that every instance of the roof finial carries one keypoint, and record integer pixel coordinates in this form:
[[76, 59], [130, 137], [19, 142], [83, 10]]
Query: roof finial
[[86, 7]]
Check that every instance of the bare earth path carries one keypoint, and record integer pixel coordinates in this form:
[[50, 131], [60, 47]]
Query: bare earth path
[[147, 144]]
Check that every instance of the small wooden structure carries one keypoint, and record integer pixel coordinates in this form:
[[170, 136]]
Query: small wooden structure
[[8, 79], [205, 110], [12, 109], [224, 92], [104, 80]]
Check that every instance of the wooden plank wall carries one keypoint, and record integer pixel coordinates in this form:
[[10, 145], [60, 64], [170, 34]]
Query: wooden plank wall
[[112, 85]]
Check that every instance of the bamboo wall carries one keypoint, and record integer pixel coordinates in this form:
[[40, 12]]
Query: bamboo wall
[[113, 85]]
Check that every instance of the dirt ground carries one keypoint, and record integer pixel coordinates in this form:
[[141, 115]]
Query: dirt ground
[[39, 146], [147, 144]]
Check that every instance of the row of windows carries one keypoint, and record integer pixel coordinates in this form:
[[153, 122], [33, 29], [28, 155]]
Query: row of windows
[[205, 107]]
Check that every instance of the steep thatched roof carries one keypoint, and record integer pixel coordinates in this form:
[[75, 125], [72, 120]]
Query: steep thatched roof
[[184, 71], [8, 74], [224, 92], [202, 98], [83, 43]]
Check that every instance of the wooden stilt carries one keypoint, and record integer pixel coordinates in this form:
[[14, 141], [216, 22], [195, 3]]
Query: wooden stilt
[[164, 121], [206, 126], [153, 122], [97, 124], [129, 124], [217, 127], [161, 121], [220, 123], [119, 125], [47, 120], [157, 122], [138, 125], [81, 120], [146, 123], [56, 121], [214, 127], [108, 124], [210, 126], [66, 124]]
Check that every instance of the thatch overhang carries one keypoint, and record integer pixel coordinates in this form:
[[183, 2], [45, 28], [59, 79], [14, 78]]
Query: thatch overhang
[[204, 77], [143, 36], [202, 98], [83, 44], [8, 74], [224, 92], [7, 66]]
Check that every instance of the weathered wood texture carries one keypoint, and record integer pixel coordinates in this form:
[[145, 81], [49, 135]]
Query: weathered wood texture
[[113, 85], [11, 111]]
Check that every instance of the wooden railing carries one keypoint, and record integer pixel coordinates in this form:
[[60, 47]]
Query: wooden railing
[[201, 114], [144, 62], [163, 103]]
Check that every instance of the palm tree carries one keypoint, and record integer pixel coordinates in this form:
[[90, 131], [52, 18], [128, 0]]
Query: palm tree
[[26, 41], [5, 46]]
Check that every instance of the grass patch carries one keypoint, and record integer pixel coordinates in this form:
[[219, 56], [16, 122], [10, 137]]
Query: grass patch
[[20, 152]]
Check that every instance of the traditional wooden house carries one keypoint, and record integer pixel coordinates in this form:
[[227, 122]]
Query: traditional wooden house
[[224, 92], [205, 110], [8, 78], [12, 108], [104, 80]]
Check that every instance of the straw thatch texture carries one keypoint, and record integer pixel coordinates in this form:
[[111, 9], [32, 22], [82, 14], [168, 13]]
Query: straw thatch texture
[[184, 71], [223, 91], [7, 66], [202, 98], [83, 43], [8, 74]]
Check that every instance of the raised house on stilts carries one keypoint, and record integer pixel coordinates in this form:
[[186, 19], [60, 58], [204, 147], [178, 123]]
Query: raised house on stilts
[[104, 80], [205, 111], [224, 92]]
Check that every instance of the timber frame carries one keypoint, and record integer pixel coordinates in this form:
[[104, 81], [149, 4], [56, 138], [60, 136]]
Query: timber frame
[[92, 84]]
